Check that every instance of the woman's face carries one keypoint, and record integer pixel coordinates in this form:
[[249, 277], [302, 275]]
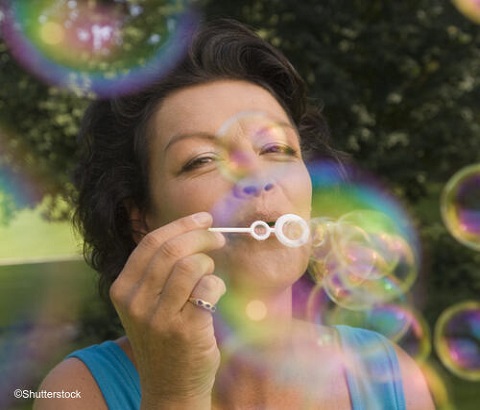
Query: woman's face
[[251, 170]]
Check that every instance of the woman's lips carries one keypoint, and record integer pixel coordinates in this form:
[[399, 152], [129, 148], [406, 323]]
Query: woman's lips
[[269, 217]]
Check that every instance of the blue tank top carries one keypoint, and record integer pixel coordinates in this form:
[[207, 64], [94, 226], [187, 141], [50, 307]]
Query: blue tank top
[[372, 372]]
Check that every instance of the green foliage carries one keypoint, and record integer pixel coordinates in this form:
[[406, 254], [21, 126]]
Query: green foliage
[[399, 80]]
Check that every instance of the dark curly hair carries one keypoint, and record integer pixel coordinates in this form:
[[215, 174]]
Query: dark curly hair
[[112, 170]]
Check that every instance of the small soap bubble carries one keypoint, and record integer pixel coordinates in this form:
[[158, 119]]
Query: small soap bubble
[[469, 8], [249, 137], [457, 339], [98, 48], [460, 206]]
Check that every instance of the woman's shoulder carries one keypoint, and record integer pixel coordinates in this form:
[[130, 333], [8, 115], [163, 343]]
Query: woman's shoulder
[[103, 374], [417, 394], [71, 375], [383, 361]]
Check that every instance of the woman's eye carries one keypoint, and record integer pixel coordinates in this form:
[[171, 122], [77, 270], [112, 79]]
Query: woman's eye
[[199, 162], [281, 149]]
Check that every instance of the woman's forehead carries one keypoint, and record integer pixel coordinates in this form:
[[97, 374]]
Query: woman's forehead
[[204, 108]]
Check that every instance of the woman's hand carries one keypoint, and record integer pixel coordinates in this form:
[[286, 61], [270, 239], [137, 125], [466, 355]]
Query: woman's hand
[[172, 340]]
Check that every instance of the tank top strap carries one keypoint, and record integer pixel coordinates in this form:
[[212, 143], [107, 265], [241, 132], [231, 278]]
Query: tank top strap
[[372, 370], [114, 373]]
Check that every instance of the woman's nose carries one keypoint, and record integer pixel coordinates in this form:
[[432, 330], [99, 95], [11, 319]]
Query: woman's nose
[[249, 187]]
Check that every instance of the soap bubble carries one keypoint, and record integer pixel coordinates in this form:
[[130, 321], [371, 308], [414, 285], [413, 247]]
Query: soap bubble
[[457, 339], [364, 247], [460, 206], [248, 135], [469, 8], [397, 320], [98, 48], [391, 320]]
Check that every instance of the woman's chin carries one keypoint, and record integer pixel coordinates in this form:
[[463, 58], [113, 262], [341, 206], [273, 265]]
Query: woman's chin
[[260, 265]]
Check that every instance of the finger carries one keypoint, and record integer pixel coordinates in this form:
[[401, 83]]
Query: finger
[[207, 292], [174, 252], [128, 282], [184, 278], [141, 301], [150, 244]]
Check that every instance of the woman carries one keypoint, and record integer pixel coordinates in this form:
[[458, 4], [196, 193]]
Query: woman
[[156, 174]]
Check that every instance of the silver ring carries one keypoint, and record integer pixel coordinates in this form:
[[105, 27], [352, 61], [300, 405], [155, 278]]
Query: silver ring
[[203, 304]]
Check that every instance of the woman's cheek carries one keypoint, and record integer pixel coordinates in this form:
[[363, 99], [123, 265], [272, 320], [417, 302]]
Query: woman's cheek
[[301, 191]]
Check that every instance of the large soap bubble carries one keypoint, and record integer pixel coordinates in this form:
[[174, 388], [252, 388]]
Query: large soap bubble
[[364, 247], [98, 48]]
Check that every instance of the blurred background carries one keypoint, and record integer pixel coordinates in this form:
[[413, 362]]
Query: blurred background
[[399, 83]]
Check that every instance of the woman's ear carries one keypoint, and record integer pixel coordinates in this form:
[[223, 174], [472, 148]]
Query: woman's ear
[[137, 218]]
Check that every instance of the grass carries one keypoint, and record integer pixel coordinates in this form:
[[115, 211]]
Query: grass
[[29, 237]]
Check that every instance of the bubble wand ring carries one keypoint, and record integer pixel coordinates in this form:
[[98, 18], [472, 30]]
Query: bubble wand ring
[[261, 231]]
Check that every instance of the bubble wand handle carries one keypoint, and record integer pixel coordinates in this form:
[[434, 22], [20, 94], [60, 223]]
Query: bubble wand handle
[[230, 230], [260, 230]]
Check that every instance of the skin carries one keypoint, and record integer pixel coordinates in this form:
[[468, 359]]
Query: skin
[[173, 343]]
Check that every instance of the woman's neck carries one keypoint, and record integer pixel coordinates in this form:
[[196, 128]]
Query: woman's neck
[[259, 318]]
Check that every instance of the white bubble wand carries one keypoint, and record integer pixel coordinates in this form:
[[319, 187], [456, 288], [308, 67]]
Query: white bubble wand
[[261, 231]]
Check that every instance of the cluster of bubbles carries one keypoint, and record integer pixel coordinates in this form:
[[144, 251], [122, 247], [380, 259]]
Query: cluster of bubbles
[[457, 331], [362, 259], [98, 48], [365, 258]]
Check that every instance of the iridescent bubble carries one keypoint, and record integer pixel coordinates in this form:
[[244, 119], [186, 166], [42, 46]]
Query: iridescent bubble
[[364, 247], [457, 339], [460, 206], [321, 230], [469, 8], [391, 320], [248, 135], [352, 292], [338, 191], [98, 48], [416, 340]]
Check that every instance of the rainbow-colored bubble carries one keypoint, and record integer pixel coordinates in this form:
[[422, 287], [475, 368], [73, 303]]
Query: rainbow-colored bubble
[[364, 247], [249, 135], [457, 339], [460, 206], [98, 48], [469, 8]]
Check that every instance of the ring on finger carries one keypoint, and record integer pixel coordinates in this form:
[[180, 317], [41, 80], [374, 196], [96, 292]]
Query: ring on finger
[[203, 304]]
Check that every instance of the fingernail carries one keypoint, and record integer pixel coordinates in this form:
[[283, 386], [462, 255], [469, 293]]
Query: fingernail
[[202, 218]]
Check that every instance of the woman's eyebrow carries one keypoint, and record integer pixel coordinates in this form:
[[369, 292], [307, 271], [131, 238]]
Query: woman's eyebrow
[[179, 137]]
